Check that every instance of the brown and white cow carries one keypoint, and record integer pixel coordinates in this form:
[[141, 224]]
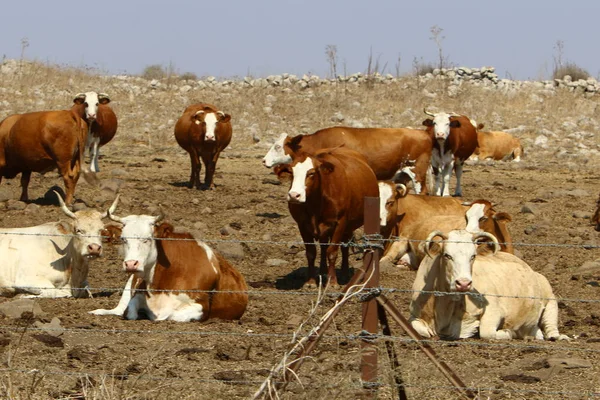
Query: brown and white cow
[[454, 139], [386, 150], [102, 123], [326, 199], [511, 300], [41, 142], [203, 131], [174, 276], [410, 218], [497, 145], [596, 216]]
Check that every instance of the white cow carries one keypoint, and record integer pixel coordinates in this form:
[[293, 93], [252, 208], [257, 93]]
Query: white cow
[[51, 260], [495, 294]]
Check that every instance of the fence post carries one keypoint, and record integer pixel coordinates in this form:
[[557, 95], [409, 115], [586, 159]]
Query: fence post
[[370, 318]]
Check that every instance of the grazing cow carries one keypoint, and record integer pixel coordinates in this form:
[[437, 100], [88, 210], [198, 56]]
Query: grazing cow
[[386, 150], [203, 131], [41, 142], [51, 260], [102, 123], [511, 300], [174, 276], [326, 199], [454, 139], [497, 146], [596, 216], [410, 218]]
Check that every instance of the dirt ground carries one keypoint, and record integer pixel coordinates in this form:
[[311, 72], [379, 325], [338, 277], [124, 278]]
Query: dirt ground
[[104, 357]]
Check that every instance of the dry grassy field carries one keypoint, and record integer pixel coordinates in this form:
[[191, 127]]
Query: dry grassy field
[[246, 218]]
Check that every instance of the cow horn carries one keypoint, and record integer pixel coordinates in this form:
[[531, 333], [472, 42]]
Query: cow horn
[[103, 96], [80, 96], [112, 207], [221, 113], [160, 216], [453, 114], [428, 113], [109, 212], [199, 112], [68, 212], [430, 239], [489, 236]]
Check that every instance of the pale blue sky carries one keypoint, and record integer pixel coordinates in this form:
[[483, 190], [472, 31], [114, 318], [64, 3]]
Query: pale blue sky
[[236, 38]]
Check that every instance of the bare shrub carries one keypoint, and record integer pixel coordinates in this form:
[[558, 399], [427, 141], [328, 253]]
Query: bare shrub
[[571, 69], [421, 67], [155, 71], [188, 76]]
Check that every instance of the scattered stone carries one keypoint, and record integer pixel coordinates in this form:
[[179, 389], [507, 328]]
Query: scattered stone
[[276, 262], [15, 205], [520, 378], [15, 308], [233, 377], [582, 214], [82, 354], [530, 208], [49, 340], [52, 328], [231, 250], [294, 320], [588, 268]]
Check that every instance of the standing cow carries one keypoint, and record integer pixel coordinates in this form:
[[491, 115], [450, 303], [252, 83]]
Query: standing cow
[[326, 199], [454, 139], [203, 131], [41, 142], [101, 120]]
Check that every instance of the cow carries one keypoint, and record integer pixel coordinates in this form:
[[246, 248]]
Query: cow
[[492, 293], [386, 150], [101, 121], [454, 139], [497, 145], [203, 131], [52, 259], [174, 276], [326, 199], [596, 216], [41, 142], [409, 218]]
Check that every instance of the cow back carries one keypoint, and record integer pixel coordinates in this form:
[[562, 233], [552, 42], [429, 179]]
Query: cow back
[[231, 297], [105, 126]]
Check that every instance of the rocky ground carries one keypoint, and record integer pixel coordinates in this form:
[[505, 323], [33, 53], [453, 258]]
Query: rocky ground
[[57, 350]]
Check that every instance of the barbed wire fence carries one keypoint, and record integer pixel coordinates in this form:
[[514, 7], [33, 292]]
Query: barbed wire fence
[[358, 337]]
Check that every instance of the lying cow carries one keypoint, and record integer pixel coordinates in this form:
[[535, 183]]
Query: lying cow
[[203, 131], [174, 276], [52, 260], [326, 199], [101, 121], [386, 150], [41, 142], [497, 145], [454, 139], [512, 301]]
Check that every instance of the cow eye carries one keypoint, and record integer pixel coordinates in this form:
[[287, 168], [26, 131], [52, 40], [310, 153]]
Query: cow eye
[[473, 257], [310, 174], [447, 256], [146, 240], [78, 231], [389, 203], [278, 147], [482, 219]]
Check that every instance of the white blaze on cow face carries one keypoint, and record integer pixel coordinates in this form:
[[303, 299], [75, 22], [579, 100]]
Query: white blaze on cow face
[[276, 154], [458, 256], [474, 215], [297, 193], [139, 249], [386, 193], [91, 108], [87, 229], [441, 126], [210, 119]]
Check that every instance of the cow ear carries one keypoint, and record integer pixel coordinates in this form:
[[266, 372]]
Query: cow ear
[[79, 99], [225, 118], [326, 167], [502, 216], [104, 100], [454, 124], [294, 143], [428, 122], [163, 230], [401, 190]]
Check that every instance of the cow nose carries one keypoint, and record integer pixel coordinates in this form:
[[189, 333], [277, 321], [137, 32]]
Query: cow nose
[[131, 265], [92, 116], [264, 162], [210, 138], [94, 249], [295, 196], [463, 285]]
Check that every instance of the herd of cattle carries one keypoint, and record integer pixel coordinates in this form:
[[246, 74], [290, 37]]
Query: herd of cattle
[[174, 276]]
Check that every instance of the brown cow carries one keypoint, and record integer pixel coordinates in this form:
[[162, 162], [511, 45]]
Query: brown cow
[[454, 139], [203, 131], [497, 146], [386, 150], [102, 123], [43, 141], [596, 216], [412, 217], [326, 199], [175, 276]]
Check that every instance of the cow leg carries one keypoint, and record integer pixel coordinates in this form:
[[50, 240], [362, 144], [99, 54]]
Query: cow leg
[[311, 254], [94, 153], [332, 251], [446, 174], [120, 308], [196, 167], [25, 177], [458, 168], [421, 304], [40, 287], [138, 303], [517, 154], [488, 327], [549, 322], [438, 184], [210, 163]]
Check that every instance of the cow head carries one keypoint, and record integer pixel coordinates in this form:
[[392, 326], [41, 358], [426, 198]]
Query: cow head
[[139, 249], [276, 154], [389, 193], [87, 228], [306, 171], [91, 100], [440, 123], [207, 120], [457, 254]]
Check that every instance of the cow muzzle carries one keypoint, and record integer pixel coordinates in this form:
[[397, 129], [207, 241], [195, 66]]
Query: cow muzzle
[[295, 197], [131, 265], [209, 138], [463, 285], [94, 250]]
